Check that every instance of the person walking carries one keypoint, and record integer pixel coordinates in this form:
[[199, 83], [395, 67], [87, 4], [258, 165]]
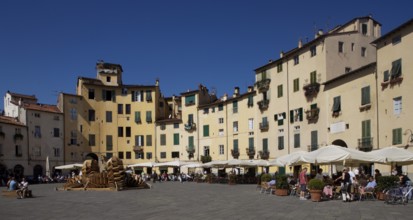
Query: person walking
[[303, 183], [345, 185]]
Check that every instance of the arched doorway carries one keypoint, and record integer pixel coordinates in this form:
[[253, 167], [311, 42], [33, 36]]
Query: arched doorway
[[340, 143], [37, 171], [18, 171]]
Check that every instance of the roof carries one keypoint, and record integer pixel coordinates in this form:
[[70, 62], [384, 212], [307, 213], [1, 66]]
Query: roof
[[18, 95], [108, 66], [10, 120], [383, 37], [42, 107]]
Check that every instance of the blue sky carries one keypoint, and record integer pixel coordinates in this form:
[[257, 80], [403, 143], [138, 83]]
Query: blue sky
[[46, 45]]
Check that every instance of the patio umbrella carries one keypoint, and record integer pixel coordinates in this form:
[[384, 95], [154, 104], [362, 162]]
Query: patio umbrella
[[69, 166], [147, 164], [241, 163], [47, 167], [175, 163], [393, 154], [290, 159], [215, 164]]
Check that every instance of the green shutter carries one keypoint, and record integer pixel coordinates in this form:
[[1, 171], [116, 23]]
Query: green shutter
[[396, 69], [336, 105], [265, 145], [314, 140], [386, 76], [251, 143], [191, 142], [365, 95], [300, 111], [176, 139], [206, 130], [138, 117], [236, 145], [291, 116]]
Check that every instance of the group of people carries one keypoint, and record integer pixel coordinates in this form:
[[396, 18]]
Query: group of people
[[21, 188]]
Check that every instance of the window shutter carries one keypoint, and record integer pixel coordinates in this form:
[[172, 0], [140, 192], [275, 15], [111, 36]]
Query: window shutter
[[300, 111], [291, 116], [386, 76]]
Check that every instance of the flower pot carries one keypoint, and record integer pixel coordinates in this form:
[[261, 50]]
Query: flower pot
[[281, 192], [380, 195], [315, 195]]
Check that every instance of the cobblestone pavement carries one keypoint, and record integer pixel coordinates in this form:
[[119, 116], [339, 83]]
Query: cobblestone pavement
[[174, 200]]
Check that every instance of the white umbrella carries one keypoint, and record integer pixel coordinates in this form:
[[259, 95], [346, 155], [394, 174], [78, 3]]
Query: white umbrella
[[243, 163], [290, 159], [393, 155], [175, 163], [215, 164], [147, 164], [47, 167], [69, 166], [336, 154], [193, 165], [274, 162]]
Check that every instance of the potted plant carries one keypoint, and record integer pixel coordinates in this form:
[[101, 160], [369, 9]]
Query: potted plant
[[316, 187], [266, 177], [281, 185], [384, 183]]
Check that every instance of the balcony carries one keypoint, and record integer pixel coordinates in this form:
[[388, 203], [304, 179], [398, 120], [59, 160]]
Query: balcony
[[250, 152], [365, 144], [264, 126], [235, 153], [263, 85], [190, 150], [190, 126], [138, 149], [311, 89], [264, 155], [312, 114], [263, 105]]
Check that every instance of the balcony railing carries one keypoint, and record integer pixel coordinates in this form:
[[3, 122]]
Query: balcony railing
[[251, 152], [263, 105], [265, 155], [235, 153], [311, 89], [263, 85], [138, 149], [190, 150], [312, 114], [190, 126], [264, 126], [365, 144]]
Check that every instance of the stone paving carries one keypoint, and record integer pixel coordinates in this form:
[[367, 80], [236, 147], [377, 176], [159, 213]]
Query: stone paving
[[174, 200]]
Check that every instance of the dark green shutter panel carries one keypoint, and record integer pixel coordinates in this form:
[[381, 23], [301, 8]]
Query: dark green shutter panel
[[386, 76], [300, 111], [291, 116], [275, 117]]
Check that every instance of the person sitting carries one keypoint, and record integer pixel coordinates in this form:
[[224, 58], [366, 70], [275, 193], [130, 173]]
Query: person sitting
[[23, 187], [371, 185], [12, 184]]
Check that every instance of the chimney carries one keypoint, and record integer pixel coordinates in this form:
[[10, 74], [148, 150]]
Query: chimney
[[281, 54], [157, 82], [224, 97], [250, 88], [236, 92], [300, 43], [319, 33]]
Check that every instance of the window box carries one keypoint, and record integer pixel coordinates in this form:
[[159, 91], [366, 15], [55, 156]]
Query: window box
[[190, 126], [312, 114], [18, 137], [250, 152], [365, 107], [235, 153], [263, 105], [365, 144], [311, 89], [138, 149], [265, 155], [263, 85], [264, 126]]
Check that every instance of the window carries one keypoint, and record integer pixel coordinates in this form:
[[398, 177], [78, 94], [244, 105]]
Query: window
[[163, 155], [149, 155], [365, 95], [313, 51], [127, 109], [397, 136], [251, 124], [176, 139], [175, 154], [37, 115], [280, 118], [124, 92], [190, 100], [148, 116], [279, 67], [108, 116], [120, 131], [296, 60], [92, 141], [37, 151], [73, 137], [397, 39], [352, 46], [220, 120], [337, 104], [91, 94], [108, 79], [139, 140], [221, 149], [386, 76], [265, 144], [314, 140], [366, 129], [206, 130], [251, 143], [163, 139], [340, 47], [120, 155], [19, 151], [206, 150], [280, 91], [364, 29], [296, 86], [297, 140], [191, 142], [280, 142], [128, 131], [37, 132], [235, 143], [91, 115], [313, 77], [56, 132], [73, 114], [396, 68], [108, 155], [140, 155], [235, 107], [148, 140], [190, 119], [235, 126], [149, 96], [221, 132], [363, 51], [397, 105], [108, 95], [109, 143], [296, 115], [56, 152], [250, 102], [120, 109], [176, 125], [220, 107], [138, 117], [137, 96], [128, 155], [206, 110]]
